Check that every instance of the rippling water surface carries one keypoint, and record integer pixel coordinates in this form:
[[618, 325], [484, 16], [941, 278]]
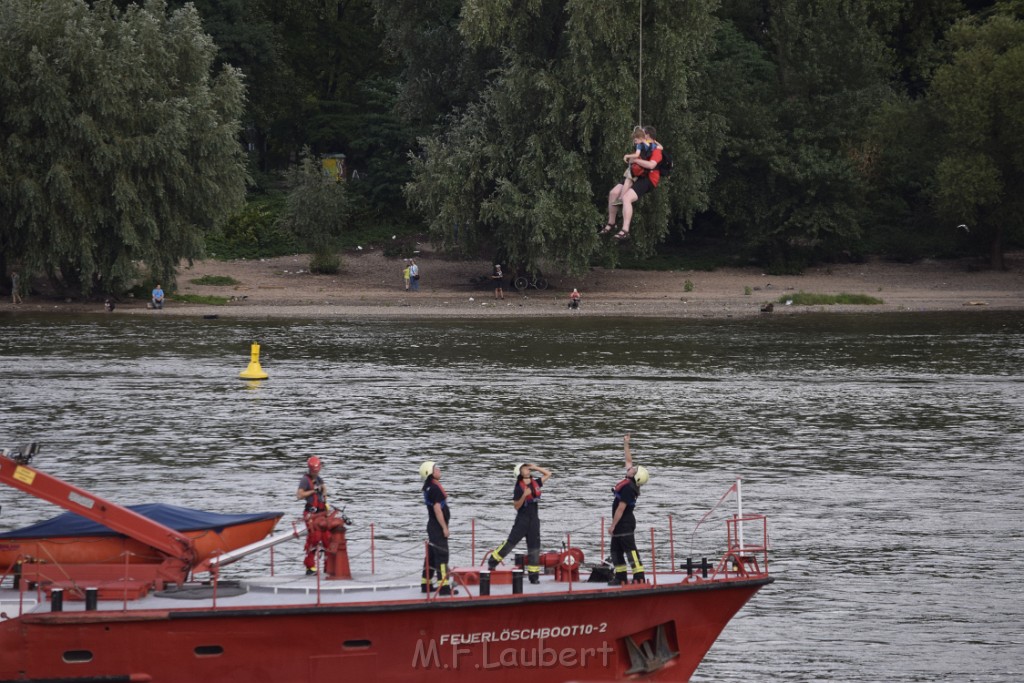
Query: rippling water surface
[[886, 451]]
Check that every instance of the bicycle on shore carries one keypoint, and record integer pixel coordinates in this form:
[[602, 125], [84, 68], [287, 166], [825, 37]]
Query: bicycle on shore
[[523, 282]]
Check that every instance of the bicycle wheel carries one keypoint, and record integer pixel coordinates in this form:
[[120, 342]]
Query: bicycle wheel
[[520, 283], [540, 283]]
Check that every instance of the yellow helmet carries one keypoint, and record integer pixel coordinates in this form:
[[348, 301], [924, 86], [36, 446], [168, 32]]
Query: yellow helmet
[[519, 469], [641, 475], [427, 469]]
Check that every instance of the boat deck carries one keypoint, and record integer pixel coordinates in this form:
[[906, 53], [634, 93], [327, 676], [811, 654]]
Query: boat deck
[[284, 591]]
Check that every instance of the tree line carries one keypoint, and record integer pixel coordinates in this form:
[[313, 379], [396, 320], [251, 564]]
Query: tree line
[[802, 130]]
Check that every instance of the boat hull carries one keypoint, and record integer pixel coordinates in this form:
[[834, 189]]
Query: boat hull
[[583, 635]]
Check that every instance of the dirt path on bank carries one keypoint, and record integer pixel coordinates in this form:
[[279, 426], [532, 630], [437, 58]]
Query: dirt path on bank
[[370, 285]]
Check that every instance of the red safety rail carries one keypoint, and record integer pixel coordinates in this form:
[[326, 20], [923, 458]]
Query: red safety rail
[[749, 559]]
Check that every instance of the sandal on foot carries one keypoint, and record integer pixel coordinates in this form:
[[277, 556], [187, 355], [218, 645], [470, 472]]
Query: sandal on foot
[[607, 229], [622, 235]]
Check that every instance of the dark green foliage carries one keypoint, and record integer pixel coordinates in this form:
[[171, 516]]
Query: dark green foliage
[[809, 299], [254, 231], [796, 94], [317, 211], [215, 280], [978, 102], [324, 263], [117, 143], [526, 167], [208, 299], [802, 130]]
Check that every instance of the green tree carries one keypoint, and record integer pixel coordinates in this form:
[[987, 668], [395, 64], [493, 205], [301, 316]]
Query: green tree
[[802, 78], [117, 143], [527, 165], [317, 211], [978, 99]]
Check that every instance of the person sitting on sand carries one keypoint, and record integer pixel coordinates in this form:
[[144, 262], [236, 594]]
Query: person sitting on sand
[[158, 296]]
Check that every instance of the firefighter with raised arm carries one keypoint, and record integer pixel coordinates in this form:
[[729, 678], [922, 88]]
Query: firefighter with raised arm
[[624, 552], [526, 500], [438, 514]]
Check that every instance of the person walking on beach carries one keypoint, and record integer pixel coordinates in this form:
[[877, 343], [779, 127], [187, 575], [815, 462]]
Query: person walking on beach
[[499, 282], [15, 288], [414, 275], [405, 275], [438, 515], [314, 495], [526, 500], [624, 550]]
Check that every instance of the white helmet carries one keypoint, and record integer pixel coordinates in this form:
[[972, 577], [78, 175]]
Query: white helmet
[[641, 475], [427, 469], [519, 469]]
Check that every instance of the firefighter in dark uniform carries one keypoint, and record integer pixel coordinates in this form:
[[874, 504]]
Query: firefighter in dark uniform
[[438, 514], [314, 493], [624, 524], [526, 499]]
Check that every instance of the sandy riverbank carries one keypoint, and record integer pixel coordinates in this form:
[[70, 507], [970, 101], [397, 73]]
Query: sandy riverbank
[[370, 285]]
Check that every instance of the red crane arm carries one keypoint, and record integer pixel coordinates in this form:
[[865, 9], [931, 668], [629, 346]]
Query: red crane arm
[[116, 517]]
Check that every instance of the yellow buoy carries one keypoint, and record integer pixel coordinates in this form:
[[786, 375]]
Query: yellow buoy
[[254, 371]]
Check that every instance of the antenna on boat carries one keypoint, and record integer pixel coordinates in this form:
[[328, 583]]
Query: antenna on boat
[[739, 511]]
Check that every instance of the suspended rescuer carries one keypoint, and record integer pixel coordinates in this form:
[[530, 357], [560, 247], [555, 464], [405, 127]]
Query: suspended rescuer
[[646, 170], [313, 492], [438, 514], [624, 524], [526, 500]]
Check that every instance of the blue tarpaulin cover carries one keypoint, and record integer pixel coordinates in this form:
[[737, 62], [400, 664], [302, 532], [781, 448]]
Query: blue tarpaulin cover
[[178, 518]]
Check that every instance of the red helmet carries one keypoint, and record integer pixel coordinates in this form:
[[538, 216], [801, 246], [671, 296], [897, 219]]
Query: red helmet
[[314, 464]]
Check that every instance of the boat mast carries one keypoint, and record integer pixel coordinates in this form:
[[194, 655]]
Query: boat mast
[[739, 511]]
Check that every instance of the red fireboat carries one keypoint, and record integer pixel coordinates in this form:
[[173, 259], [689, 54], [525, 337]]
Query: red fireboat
[[156, 621]]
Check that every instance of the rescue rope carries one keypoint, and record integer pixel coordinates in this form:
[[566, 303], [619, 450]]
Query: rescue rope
[[640, 69]]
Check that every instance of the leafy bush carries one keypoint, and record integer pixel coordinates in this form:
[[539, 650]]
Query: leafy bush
[[200, 299], [325, 263], [253, 232], [805, 299], [215, 280]]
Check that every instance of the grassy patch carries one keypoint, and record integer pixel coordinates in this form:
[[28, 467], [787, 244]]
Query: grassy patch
[[806, 299], [215, 280], [201, 299]]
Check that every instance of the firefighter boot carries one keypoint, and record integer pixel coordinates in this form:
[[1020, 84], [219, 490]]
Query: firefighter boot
[[639, 577], [534, 577], [619, 580], [446, 590], [491, 563]]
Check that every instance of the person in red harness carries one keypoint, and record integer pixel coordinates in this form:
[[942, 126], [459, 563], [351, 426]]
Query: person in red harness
[[526, 500], [645, 170], [314, 493], [624, 524]]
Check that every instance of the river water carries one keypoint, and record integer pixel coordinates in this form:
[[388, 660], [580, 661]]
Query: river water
[[885, 449]]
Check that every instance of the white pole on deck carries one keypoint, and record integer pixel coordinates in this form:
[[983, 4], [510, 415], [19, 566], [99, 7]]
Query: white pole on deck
[[739, 511]]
